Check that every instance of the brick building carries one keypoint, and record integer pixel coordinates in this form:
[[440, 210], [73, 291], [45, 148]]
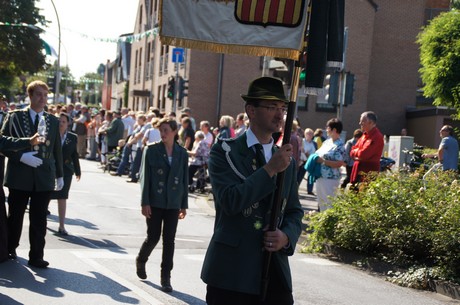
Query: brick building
[[381, 52]]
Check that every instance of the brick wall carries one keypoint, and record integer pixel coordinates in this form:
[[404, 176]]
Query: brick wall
[[203, 84]]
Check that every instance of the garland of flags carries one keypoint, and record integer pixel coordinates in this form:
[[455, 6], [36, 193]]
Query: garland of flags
[[125, 38], [84, 80]]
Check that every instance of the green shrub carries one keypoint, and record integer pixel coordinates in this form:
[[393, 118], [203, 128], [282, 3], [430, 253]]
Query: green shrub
[[399, 218]]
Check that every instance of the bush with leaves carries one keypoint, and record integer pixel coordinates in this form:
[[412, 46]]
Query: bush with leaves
[[398, 218]]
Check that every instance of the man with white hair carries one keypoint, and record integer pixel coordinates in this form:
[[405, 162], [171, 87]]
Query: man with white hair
[[368, 150]]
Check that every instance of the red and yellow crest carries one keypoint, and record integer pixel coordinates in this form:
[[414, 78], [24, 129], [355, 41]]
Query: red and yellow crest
[[287, 13]]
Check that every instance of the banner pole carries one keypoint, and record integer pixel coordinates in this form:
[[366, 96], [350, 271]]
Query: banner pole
[[277, 198]]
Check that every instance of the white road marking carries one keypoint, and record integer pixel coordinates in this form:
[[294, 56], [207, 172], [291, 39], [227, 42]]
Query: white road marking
[[318, 261]]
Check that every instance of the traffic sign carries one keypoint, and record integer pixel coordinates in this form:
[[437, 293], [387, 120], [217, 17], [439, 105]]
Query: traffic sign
[[178, 55]]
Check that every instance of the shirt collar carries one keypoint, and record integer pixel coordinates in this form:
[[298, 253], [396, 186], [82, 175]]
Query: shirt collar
[[33, 113], [252, 140]]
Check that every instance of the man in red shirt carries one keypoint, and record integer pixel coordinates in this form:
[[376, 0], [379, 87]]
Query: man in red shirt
[[368, 149]]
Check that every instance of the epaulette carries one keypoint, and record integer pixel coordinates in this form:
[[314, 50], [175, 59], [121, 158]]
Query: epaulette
[[220, 140], [226, 147]]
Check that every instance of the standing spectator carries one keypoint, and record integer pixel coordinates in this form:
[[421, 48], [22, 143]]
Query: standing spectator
[[295, 141], [187, 111], [186, 133], [30, 178], [92, 136], [3, 104], [136, 143], [330, 156], [71, 166], [71, 112], [114, 131], [101, 124], [242, 174], [368, 150], [448, 149], [318, 137], [81, 121], [308, 148], [205, 127], [240, 124], [164, 198], [225, 128], [348, 160], [128, 118], [199, 155], [152, 135], [58, 110], [12, 106]]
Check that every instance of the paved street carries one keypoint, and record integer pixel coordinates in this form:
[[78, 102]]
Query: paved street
[[95, 264]]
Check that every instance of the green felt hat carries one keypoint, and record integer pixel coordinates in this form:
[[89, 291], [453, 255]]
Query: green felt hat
[[265, 88]]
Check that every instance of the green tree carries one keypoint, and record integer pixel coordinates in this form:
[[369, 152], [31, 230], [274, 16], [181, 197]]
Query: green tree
[[440, 58], [20, 46], [455, 4]]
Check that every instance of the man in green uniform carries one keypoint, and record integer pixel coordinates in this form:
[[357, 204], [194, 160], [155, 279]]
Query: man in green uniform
[[243, 177], [32, 175]]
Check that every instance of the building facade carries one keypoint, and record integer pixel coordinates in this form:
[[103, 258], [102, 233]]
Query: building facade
[[381, 53]]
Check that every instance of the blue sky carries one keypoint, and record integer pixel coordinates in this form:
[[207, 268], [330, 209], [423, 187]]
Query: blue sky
[[85, 24]]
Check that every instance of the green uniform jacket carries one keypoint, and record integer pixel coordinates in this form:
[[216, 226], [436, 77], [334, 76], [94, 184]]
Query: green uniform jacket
[[234, 259], [14, 144], [115, 132], [163, 185], [20, 176], [70, 155]]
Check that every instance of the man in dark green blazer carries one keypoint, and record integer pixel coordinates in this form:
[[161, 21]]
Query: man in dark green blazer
[[32, 177], [243, 177], [115, 131]]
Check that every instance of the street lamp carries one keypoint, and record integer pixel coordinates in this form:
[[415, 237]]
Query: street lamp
[[58, 76]]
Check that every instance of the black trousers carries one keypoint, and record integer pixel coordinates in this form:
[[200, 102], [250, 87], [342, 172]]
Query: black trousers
[[167, 219], [17, 203], [277, 294]]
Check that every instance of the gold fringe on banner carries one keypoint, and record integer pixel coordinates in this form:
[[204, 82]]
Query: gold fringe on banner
[[230, 49]]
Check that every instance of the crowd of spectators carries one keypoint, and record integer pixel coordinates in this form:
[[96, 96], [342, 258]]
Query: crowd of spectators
[[102, 133]]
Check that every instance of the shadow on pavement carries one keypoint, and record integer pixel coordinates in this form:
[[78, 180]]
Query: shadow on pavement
[[188, 299], [74, 222], [51, 282]]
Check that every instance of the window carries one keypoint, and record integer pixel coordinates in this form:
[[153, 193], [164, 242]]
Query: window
[[302, 103]]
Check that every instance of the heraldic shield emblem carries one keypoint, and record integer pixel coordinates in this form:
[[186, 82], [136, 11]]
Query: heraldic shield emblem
[[286, 13]]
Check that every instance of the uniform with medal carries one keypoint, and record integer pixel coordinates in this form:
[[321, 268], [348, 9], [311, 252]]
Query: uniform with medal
[[32, 173], [164, 189], [243, 191]]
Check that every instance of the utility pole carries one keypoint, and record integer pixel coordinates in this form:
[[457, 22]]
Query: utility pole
[[58, 73], [342, 77]]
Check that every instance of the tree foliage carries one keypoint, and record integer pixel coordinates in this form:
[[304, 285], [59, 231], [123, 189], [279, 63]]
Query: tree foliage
[[440, 58], [20, 46], [455, 4], [399, 218]]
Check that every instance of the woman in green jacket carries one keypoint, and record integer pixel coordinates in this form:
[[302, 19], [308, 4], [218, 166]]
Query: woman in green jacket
[[164, 186]]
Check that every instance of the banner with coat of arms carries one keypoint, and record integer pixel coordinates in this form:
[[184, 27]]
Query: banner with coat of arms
[[250, 27]]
